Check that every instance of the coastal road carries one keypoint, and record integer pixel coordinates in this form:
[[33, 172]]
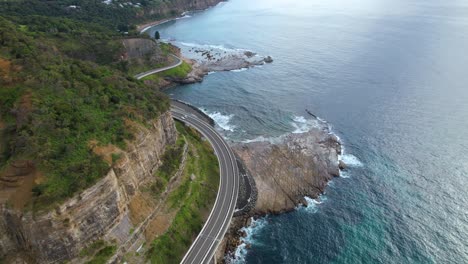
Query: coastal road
[[207, 241], [204, 246], [144, 74]]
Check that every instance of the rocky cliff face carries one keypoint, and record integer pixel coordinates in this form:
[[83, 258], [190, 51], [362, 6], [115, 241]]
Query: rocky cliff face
[[100, 212]]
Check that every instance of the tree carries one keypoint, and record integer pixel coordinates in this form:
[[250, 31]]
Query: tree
[[156, 35]]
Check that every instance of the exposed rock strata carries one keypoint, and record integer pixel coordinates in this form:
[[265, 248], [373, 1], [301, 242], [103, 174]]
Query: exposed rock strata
[[60, 234], [297, 166]]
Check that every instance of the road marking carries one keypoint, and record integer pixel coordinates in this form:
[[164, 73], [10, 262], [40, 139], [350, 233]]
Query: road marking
[[223, 215]]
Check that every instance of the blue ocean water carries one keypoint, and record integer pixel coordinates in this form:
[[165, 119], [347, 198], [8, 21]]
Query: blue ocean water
[[391, 77]]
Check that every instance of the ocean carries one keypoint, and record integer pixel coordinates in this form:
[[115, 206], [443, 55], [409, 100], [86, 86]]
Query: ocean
[[391, 78]]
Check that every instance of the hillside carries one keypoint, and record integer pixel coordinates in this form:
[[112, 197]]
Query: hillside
[[83, 145], [53, 107]]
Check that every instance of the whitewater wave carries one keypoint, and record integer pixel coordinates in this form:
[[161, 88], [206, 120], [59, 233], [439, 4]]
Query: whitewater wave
[[312, 204], [249, 239], [351, 160], [302, 125], [223, 121], [208, 46], [239, 70], [344, 175], [183, 16]]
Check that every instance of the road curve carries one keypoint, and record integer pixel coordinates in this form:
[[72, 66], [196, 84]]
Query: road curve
[[144, 74], [204, 246]]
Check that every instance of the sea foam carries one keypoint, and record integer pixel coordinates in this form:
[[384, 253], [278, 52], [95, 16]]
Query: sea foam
[[312, 204], [302, 125], [249, 239], [222, 120]]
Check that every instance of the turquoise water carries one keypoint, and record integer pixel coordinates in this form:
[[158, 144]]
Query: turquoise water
[[391, 77]]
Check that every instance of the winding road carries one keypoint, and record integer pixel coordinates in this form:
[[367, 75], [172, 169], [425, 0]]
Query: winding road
[[144, 74], [207, 241]]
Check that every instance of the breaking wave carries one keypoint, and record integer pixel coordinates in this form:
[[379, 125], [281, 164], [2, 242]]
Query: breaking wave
[[312, 204], [223, 121], [209, 47], [249, 239], [351, 160], [302, 125], [239, 70]]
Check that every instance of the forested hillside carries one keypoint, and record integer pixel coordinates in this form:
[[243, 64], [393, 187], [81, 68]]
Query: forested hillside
[[62, 89]]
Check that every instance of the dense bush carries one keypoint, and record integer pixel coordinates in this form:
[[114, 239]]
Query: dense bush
[[55, 102]]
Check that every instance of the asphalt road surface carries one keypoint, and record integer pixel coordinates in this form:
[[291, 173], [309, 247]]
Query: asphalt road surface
[[204, 246], [144, 74]]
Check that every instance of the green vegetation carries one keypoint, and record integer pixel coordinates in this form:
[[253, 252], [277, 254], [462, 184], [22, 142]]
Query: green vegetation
[[99, 252], [59, 92], [165, 48], [136, 68], [113, 16], [193, 196], [157, 35], [93, 248], [103, 255], [178, 72], [171, 161]]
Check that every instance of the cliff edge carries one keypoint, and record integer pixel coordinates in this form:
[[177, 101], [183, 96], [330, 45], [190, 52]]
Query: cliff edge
[[104, 211]]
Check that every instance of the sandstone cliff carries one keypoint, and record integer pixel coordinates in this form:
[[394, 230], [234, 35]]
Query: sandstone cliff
[[100, 212]]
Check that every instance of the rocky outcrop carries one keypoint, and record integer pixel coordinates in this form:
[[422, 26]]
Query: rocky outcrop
[[60, 234], [285, 170], [297, 165]]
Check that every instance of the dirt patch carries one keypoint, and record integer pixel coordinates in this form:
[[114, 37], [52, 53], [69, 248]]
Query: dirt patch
[[140, 207], [5, 70], [159, 225], [109, 152], [23, 109], [17, 182]]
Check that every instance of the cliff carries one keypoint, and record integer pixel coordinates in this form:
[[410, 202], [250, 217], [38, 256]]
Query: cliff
[[105, 211]]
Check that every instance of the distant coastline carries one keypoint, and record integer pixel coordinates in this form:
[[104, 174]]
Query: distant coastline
[[143, 27]]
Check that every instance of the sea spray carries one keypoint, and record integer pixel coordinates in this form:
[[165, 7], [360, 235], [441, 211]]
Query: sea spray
[[250, 231], [312, 204], [302, 125], [221, 120]]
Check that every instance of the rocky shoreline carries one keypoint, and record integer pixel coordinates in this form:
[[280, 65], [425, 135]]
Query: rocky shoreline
[[285, 170], [205, 60], [212, 61], [276, 176]]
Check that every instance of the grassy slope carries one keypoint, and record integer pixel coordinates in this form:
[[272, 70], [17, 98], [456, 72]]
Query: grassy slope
[[191, 198], [178, 72]]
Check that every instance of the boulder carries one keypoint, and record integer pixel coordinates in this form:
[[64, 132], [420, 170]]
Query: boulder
[[268, 59], [342, 165]]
